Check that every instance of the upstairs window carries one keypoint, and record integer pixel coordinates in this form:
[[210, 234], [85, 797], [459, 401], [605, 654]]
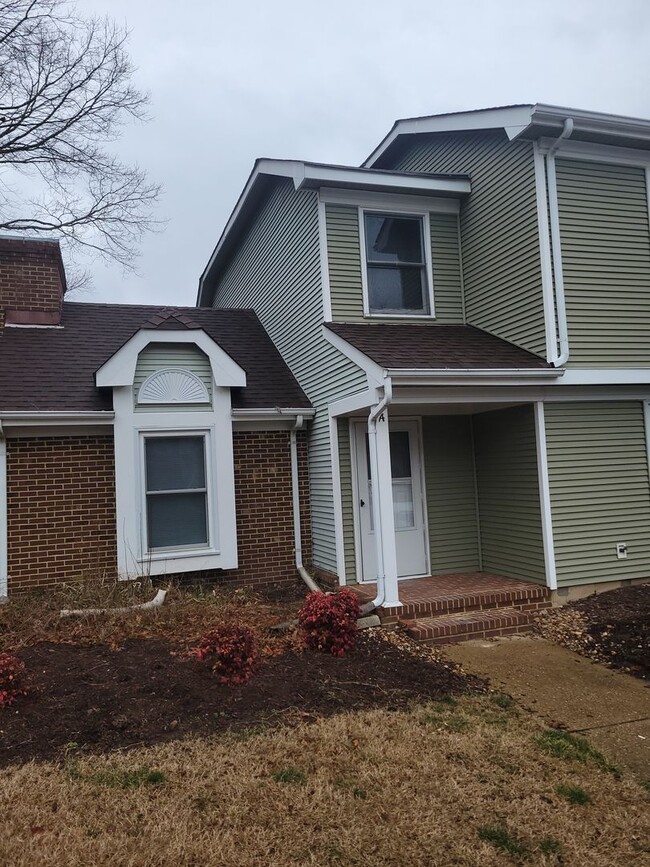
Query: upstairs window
[[176, 492], [398, 279]]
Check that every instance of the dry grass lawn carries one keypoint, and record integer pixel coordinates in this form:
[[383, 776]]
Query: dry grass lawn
[[455, 783]]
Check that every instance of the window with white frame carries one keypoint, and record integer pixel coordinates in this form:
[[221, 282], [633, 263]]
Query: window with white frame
[[177, 499], [397, 276]]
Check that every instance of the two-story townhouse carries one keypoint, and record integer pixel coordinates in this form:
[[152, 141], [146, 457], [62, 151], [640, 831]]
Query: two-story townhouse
[[469, 314]]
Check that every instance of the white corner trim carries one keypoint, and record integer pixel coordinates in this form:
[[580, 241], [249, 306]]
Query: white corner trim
[[545, 254], [173, 385], [373, 371], [3, 517], [646, 422], [545, 497], [337, 499], [324, 260], [119, 370]]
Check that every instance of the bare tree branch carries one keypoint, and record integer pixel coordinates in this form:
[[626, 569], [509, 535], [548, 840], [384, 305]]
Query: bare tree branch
[[65, 93]]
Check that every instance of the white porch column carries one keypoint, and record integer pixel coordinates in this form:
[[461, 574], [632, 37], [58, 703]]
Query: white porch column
[[382, 484]]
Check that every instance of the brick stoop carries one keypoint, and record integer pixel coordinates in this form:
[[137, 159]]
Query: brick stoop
[[452, 628], [450, 608]]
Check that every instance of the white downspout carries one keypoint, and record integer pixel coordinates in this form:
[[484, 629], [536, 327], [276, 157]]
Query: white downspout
[[375, 413], [295, 494], [556, 245]]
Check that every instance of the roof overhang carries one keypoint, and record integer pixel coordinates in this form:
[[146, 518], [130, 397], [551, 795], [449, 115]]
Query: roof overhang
[[313, 176], [377, 373], [521, 121]]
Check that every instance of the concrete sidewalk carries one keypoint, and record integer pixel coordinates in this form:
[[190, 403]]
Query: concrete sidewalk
[[609, 708]]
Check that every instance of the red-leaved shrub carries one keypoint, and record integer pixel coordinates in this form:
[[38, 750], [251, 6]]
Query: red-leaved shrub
[[12, 679], [328, 621], [231, 652]]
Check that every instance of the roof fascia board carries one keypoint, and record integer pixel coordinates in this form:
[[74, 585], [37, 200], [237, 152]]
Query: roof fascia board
[[514, 120], [54, 418], [470, 376], [119, 370]]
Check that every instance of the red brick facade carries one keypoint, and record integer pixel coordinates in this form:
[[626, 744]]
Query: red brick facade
[[265, 508], [32, 281], [61, 509]]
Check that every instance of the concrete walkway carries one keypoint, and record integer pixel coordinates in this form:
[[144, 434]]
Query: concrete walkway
[[609, 708]]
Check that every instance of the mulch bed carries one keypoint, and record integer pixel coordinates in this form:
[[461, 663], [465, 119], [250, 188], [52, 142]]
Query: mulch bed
[[101, 699], [612, 627]]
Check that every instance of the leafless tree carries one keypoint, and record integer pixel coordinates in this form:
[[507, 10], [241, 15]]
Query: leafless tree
[[65, 93]]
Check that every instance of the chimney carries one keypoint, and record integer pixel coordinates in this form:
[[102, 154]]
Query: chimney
[[32, 281]]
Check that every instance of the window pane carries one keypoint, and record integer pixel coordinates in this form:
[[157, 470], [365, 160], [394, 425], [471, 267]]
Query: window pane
[[176, 519], [175, 463], [403, 513], [400, 454], [396, 289], [393, 239]]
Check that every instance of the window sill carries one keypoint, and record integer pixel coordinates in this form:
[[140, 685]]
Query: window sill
[[179, 554]]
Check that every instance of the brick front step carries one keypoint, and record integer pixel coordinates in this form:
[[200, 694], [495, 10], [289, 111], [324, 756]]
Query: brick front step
[[525, 597], [466, 625]]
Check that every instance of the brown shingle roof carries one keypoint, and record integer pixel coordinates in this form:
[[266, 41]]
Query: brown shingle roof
[[54, 368], [435, 347]]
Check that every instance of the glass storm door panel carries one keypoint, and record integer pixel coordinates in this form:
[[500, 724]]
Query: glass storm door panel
[[408, 501]]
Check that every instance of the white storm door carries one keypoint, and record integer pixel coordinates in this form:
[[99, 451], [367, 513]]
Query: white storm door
[[408, 501]]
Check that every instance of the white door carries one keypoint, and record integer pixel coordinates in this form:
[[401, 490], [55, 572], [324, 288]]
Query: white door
[[408, 501]]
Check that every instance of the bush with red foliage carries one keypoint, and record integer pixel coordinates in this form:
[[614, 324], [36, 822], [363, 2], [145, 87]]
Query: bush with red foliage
[[328, 621], [12, 679], [231, 652]]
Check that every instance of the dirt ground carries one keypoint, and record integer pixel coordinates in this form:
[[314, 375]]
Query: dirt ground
[[612, 627], [147, 691]]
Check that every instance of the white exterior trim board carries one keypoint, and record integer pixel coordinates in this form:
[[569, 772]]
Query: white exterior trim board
[[324, 260], [388, 201], [545, 497]]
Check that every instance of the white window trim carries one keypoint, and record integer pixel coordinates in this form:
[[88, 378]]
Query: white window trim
[[423, 216], [212, 517]]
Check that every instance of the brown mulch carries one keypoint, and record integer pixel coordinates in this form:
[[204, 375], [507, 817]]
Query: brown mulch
[[144, 692], [611, 627]]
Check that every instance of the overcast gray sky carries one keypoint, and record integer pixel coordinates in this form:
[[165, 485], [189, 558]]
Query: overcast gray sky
[[232, 81]]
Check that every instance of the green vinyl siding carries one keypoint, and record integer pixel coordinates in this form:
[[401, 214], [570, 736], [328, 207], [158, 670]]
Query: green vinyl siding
[[600, 491], [606, 262], [160, 356], [450, 493], [345, 469], [275, 270], [345, 263], [508, 493], [499, 231]]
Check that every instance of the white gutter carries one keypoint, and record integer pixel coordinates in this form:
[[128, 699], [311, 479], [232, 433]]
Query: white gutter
[[57, 418], [479, 373], [556, 246], [375, 413], [295, 495], [274, 412]]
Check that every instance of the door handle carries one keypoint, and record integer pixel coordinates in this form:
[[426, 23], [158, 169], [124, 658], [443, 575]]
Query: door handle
[[361, 503]]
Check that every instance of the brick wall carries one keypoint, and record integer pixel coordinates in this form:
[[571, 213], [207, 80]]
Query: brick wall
[[61, 507], [32, 281], [61, 510], [265, 508]]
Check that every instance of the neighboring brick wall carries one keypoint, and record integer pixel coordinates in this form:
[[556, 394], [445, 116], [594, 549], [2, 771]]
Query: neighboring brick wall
[[265, 508], [61, 507], [32, 281], [61, 510]]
